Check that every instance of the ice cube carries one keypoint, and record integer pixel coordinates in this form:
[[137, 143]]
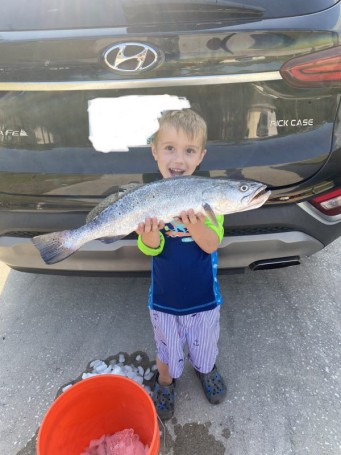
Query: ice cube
[[100, 368], [95, 363], [128, 369], [140, 370], [107, 370], [88, 375], [66, 387], [139, 380], [121, 358], [118, 370], [148, 376], [131, 375]]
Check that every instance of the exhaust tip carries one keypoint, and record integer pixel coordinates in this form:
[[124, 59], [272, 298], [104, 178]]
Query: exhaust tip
[[277, 263]]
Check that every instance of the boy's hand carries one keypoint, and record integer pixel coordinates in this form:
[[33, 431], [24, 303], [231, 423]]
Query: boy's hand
[[204, 237], [149, 231], [149, 225], [190, 217]]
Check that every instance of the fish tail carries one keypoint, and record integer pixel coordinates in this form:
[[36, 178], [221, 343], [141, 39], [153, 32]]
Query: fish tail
[[56, 246]]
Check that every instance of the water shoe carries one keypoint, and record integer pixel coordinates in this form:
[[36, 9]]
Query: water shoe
[[164, 399], [213, 385]]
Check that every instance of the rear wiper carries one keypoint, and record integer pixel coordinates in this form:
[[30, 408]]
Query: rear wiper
[[226, 6], [166, 11]]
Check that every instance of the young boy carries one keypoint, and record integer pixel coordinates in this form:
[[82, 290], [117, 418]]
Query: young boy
[[184, 297]]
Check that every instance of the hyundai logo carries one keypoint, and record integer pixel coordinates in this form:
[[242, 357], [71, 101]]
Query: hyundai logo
[[132, 58]]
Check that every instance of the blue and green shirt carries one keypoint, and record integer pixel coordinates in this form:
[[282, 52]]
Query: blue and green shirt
[[184, 277]]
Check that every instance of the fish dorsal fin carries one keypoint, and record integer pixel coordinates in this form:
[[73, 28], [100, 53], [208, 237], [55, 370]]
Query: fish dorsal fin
[[124, 189]]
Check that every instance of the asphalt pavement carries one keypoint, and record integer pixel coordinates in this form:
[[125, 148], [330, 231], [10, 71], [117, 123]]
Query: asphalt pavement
[[279, 353]]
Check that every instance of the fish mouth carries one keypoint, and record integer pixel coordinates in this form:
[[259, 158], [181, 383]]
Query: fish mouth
[[260, 196]]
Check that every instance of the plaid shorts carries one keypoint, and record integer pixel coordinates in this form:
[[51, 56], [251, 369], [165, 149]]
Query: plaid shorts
[[200, 331]]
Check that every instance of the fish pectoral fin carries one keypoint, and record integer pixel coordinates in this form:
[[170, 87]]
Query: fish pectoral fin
[[209, 212], [113, 239]]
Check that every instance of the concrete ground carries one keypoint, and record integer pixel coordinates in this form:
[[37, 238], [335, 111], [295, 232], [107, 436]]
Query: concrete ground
[[279, 353]]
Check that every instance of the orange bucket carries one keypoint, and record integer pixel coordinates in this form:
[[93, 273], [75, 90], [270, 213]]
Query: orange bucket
[[98, 406]]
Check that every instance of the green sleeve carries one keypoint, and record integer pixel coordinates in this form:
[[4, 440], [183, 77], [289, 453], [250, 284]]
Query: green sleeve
[[219, 230], [151, 251]]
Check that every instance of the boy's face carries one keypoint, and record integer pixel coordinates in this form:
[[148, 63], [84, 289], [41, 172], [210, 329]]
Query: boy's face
[[176, 153]]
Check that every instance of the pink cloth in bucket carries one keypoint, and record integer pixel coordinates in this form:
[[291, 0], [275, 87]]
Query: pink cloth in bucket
[[124, 442]]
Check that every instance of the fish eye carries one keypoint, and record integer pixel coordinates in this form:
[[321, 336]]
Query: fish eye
[[244, 188]]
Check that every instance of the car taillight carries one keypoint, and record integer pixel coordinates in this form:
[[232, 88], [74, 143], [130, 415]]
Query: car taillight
[[320, 69], [329, 203]]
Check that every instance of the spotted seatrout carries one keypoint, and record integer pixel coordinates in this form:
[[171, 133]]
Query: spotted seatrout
[[163, 199]]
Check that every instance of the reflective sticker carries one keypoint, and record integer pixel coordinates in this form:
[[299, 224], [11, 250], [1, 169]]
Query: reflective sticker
[[13, 133], [293, 122]]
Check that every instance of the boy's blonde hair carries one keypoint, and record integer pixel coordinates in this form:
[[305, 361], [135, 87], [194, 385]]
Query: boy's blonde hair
[[187, 120]]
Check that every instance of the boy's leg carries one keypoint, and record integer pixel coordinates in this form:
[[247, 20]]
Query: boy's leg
[[202, 333], [164, 377], [169, 350], [170, 341], [202, 336]]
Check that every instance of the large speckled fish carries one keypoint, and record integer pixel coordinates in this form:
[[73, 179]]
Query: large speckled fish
[[164, 199]]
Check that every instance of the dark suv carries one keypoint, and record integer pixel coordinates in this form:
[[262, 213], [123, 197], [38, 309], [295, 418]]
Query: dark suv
[[265, 74]]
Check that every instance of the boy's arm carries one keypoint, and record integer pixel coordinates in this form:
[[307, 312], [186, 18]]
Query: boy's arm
[[206, 235]]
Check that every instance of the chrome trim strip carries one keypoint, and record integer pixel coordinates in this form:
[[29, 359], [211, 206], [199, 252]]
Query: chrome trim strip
[[321, 217], [140, 83]]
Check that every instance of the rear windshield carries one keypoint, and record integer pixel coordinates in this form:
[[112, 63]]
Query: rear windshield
[[63, 14]]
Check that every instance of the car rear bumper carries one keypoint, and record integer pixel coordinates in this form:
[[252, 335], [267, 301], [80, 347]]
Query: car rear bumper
[[252, 239], [236, 252]]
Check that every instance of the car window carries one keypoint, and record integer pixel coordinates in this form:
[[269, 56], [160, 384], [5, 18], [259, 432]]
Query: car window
[[63, 14]]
